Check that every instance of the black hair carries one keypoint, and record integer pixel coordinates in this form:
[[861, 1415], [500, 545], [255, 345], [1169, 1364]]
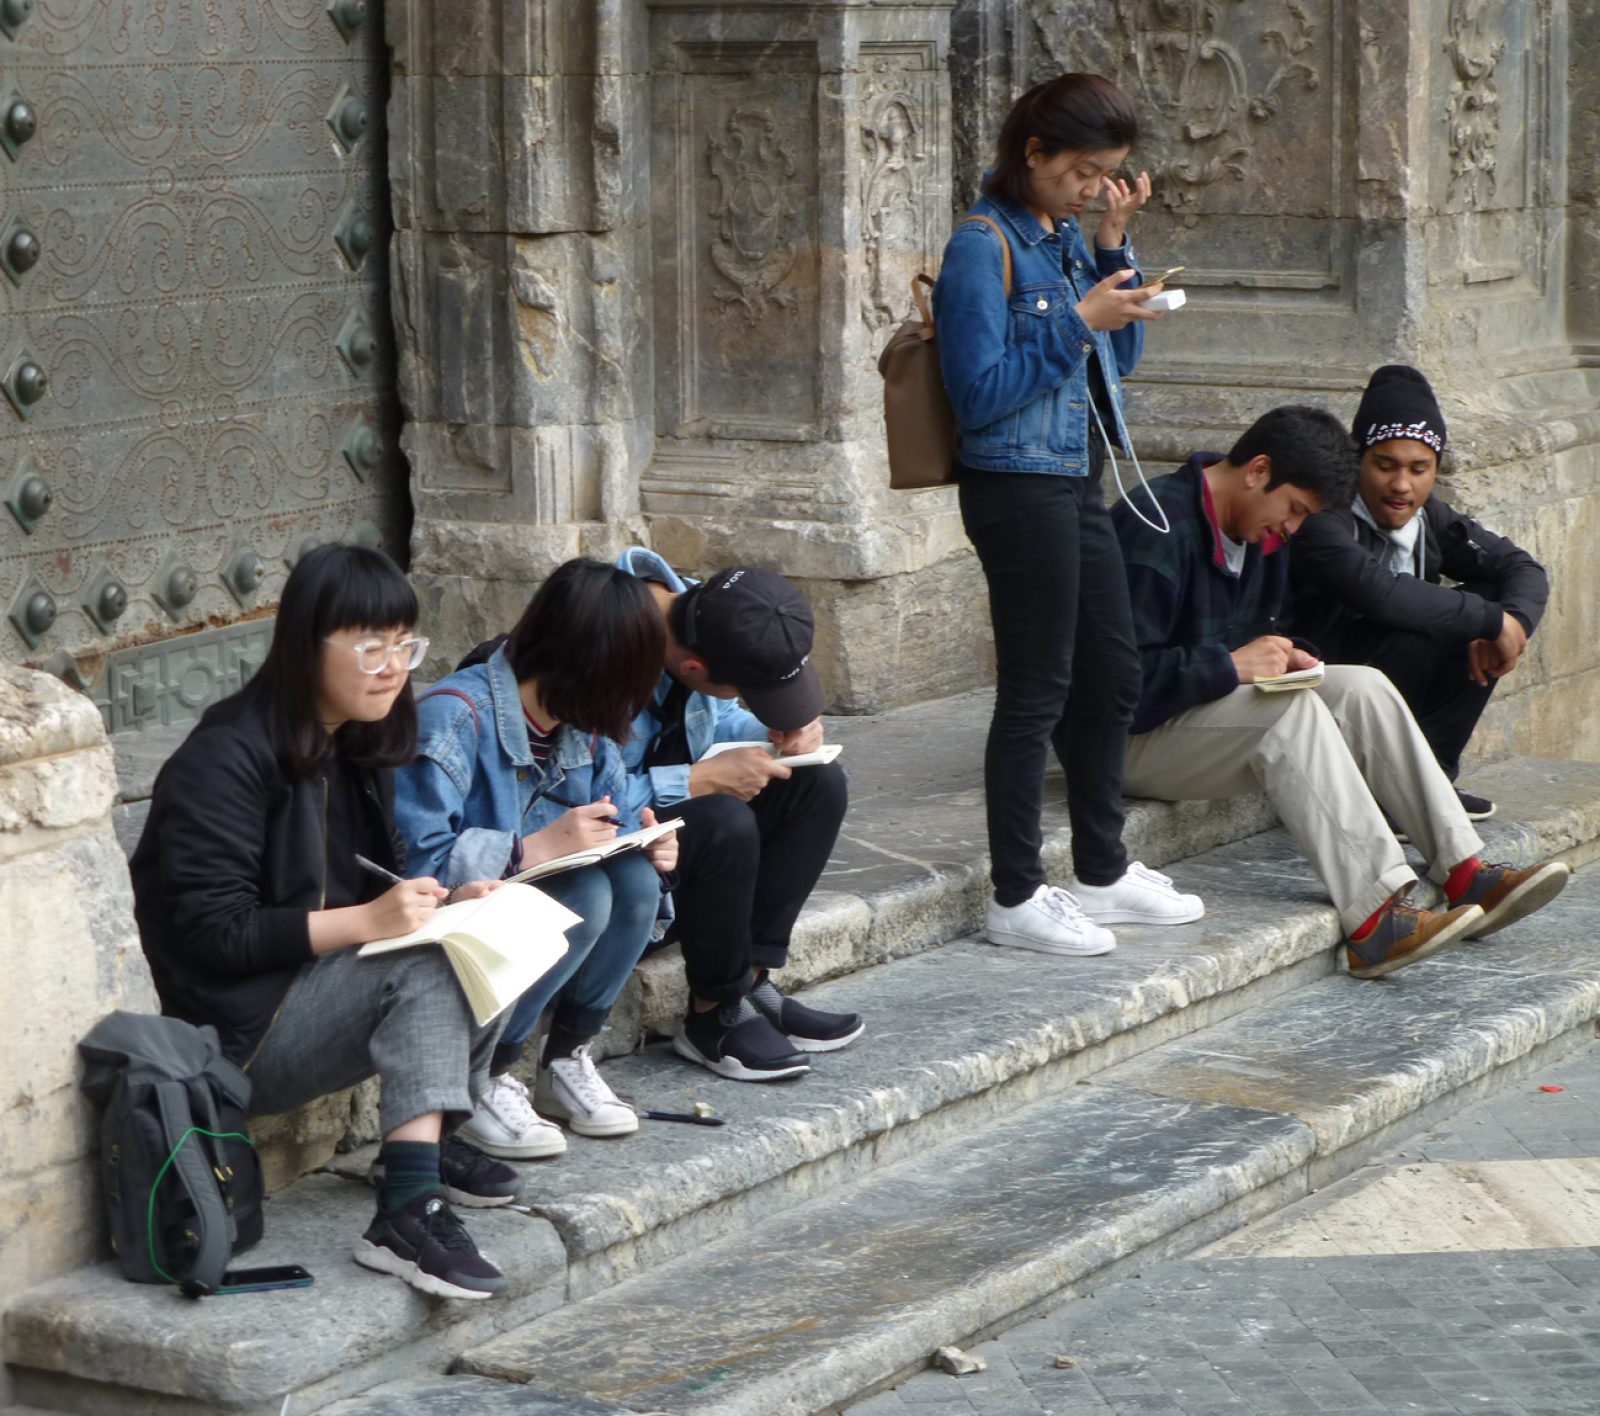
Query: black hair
[[1308, 448], [332, 588], [594, 642], [1081, 112]]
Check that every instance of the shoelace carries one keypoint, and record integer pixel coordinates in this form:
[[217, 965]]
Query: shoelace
[[1063, 904], [441, 1225], [513, 1098], [591, 1090], [1140, 871]]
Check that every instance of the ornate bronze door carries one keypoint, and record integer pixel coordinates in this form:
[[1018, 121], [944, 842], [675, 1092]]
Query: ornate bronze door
[[194, 330]]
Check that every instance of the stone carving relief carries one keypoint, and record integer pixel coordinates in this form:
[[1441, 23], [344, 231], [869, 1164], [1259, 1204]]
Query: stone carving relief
[[891, 200], [1472, 112], [755, 203], [1208, 77]]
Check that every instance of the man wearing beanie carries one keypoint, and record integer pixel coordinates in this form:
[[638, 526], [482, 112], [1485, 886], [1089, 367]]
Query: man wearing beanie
[[757, 832], [1368, 580]]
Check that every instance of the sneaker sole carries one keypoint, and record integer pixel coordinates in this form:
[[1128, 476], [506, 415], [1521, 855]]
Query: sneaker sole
[[824, 1044], [380, 1260], [541, 1149], [1456, 931], [732, 1067], [1038, 946], [1533, 894], [1138, 917], [547, 1106]]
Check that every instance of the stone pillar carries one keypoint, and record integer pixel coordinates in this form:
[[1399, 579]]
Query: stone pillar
[[521, 282], [1353, 182], [801, 175], [71, 956]]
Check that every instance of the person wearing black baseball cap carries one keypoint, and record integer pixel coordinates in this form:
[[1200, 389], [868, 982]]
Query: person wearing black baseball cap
[[757, 833], [1368, 580]]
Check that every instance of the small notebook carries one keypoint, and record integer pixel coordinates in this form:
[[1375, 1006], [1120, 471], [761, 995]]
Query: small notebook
[[500, 944], [632, 841], [1298, 678], [826, 753]]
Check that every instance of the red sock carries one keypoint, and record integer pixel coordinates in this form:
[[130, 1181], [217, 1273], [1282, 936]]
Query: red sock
[[1365, 929], [1461, 877]]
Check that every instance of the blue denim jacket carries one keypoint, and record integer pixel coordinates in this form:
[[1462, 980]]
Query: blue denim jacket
[[474, 789], [705, 719], [1017, 371]]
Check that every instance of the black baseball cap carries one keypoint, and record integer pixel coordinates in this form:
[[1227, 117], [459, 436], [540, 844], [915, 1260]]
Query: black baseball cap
[[754, 630]]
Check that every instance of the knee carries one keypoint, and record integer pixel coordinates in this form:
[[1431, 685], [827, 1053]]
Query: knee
[[416, 974], [725, 823], [826, 789], [635, 886], [1357, 685]]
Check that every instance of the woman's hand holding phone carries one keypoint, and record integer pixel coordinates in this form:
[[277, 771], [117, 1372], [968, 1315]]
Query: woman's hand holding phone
[[1110, 307]]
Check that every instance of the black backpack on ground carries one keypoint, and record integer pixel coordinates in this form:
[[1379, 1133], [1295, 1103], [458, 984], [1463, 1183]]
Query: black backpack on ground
[[181, 1182]]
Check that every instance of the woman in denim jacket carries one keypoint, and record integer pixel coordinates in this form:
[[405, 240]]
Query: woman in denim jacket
[[1036, 384], [516, 765]]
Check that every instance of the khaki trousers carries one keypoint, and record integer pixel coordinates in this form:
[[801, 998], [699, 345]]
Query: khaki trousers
[[1328, 757]]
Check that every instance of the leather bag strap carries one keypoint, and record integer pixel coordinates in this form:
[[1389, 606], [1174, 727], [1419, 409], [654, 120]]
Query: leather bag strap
[[1005, 246]]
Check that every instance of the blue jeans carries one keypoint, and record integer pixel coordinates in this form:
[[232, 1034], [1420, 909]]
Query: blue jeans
[[618, 900]]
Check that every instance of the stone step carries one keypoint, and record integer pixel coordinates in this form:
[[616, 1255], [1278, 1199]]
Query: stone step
[[829, 1301], [958, 1039]]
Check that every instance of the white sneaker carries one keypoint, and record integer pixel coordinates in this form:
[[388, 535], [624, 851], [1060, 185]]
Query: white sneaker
[[572, 1088], [504, 1123], [1142, 896], [1048, 922]]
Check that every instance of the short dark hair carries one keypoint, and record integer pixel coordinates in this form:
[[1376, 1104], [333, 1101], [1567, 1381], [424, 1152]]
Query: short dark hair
[[1308, 448], [1082, 112], [332, 588], [594, 642]]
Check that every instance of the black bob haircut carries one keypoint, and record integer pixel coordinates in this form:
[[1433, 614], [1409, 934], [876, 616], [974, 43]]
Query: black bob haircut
[[1308, 448], [594, 642], [333, 588], [1080, 112]]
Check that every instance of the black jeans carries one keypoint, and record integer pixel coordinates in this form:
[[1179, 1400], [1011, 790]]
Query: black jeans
[[1431, 674], [745, 868], [1068, 670]]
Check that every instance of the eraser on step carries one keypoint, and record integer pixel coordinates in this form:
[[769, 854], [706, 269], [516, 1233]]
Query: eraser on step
[[1166, 300]]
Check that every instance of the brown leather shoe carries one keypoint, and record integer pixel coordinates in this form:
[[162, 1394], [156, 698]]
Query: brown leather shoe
[[1403, 935], [1506, 895]]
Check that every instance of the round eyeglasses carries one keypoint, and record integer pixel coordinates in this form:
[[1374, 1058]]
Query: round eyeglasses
[[373, 655]]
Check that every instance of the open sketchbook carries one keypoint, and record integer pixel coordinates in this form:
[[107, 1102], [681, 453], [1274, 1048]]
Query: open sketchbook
[[592, 855], [826, 753], [1283, 683], [500, 944]]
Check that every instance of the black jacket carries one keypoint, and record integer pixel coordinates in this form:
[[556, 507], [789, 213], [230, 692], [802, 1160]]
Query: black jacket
[[1340, 577], [232, 860]]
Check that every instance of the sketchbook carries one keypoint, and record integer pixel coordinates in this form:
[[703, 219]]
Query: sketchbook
[[593, 855], [500, 944]]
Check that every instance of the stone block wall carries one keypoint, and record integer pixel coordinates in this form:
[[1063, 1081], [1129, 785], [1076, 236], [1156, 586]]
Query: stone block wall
[[71, 956]]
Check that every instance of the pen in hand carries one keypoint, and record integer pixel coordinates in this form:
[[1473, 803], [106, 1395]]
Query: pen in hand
[[377, 869]]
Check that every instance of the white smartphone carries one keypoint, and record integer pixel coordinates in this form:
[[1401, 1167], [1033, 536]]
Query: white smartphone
[[1166, 300]]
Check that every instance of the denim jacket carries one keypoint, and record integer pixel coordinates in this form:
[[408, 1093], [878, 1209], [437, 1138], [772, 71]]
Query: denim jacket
[[705, 719], [1017, 371], [474, 789]]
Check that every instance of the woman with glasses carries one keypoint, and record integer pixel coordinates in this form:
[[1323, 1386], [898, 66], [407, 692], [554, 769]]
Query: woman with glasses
[[251, 898], [518, 764]]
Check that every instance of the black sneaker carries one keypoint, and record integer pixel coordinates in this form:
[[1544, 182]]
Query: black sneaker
[[425, 1244], [470, 1177], [808, 1029], [1477, 808], [734, 1040]]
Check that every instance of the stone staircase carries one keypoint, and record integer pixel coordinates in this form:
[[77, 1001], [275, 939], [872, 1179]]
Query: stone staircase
[[1009, 1128]]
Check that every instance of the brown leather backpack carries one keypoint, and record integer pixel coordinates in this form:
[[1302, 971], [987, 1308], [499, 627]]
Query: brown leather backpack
[[916, 409]]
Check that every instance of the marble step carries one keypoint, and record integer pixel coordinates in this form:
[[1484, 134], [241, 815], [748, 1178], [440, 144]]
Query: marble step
[[958, 1040], [810, 1309]]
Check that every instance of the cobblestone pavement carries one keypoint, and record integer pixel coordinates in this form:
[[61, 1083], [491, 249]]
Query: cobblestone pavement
[[1497, 1333]]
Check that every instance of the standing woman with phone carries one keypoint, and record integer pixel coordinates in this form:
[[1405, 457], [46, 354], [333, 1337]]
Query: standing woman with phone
[[518, 764], [251, 905], [1035, 379]]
